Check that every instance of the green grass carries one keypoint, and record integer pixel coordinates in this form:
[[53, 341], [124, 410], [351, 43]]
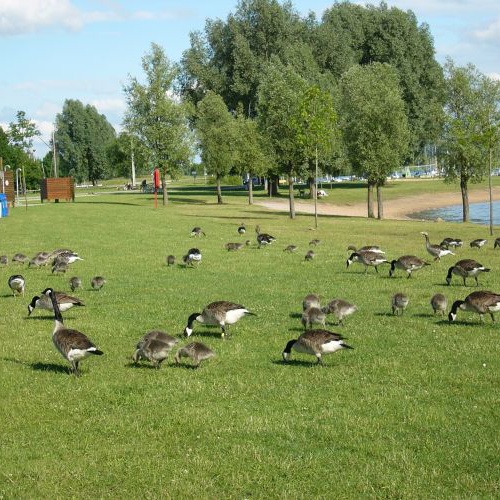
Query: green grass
[[411, 412]]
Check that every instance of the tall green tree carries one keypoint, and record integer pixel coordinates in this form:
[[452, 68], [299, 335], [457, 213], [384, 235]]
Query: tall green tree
[[22, 132], [82, 137], [157, 118], [375, 125], [278, 115], [468, 131], [216, 133]]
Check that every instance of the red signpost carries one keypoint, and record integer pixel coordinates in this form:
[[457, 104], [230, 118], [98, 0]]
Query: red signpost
[[157, 184]]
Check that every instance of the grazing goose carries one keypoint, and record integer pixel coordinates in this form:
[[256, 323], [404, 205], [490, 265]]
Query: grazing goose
[[193, 255], [313, 315], [20, 258], [340, 308], [4, 260], [408, 263], [222, 313], [497, 243], [437, 251], [242, 229], [233, 247], [479, 243], [466, 268], [197, 231], [60, 267], [17, 284], [98, 282], [66, 258], [290, 248], [38, 261], [60, 251], [264, 239], [452, 242], [314, 242], [481, 302], [74, 346], [311, 300], [155, 346], [310, 255], [399, 303], [170, 260], [75, 283], [197, 351], [439, 303], [64, 301], [317, 343], [366, 248], [368, 259]]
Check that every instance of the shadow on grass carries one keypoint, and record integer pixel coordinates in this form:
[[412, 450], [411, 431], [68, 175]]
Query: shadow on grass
[[43, 367], [296, 362]]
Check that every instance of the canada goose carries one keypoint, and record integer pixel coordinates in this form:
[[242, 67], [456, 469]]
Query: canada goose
[[74, 346], [437, 251], [197, 231], [233, 247], [367, 258], [4, 260], [60, 251], [497, 243], [66, 258], [479, 243], [366, 248], [466, 268], [222, 313], [314, 242], [264, 239], [313, 315], [340, 308], [480, 302], [242, 229], [399, 303], [155, 346], [197, 351], [310, 300], [452, 242], [193, 255], [290, 248], [170, 260], [439, 303], [97, 282], [317, 343], [64, 301], [310, 255], [17, 284], [60, 267], [20, 258], [408, 263], [74, 283], [38, 261]]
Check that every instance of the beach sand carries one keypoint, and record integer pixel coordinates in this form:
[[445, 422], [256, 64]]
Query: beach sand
[[399, 209]]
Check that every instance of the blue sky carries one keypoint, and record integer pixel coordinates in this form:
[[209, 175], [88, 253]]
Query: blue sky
[[53, 50]]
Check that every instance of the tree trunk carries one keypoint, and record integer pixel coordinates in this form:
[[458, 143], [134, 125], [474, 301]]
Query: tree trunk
[[380, 203], [164, 186], [250, 191], [371, 214], [272, 187], [219, 192], [312, 188], [291, 197], [465, 200]]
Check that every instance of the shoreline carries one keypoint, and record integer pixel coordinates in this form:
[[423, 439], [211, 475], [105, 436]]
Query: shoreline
[[398, 209]]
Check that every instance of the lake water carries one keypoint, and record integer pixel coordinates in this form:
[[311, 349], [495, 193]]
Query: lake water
[[479, 213]]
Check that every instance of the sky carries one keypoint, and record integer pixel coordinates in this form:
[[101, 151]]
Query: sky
[[54, 50]]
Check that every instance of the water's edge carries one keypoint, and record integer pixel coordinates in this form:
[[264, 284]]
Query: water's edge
[[479, 213]]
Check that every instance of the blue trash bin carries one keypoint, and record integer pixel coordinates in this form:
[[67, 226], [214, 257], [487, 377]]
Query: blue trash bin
[[4, 205]]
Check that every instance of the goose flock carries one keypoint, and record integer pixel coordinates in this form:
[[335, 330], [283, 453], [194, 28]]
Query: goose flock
[[316, 340]]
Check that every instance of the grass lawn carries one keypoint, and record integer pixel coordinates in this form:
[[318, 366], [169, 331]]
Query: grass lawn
[[412, 412]]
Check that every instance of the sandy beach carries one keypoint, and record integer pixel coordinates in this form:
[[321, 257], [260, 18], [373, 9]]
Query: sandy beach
[[399, 209]]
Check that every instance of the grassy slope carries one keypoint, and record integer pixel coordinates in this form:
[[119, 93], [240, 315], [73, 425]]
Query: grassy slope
[[411, 412]]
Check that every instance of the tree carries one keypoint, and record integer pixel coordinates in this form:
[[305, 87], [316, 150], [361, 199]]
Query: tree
[[375, 125], [156, 118], [468, 131], [83, 137], [22, 132], [278, 115], [317, 132], [216, 133], [252, 158]]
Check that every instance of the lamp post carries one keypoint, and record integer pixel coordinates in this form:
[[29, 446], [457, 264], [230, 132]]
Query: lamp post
[[18, 173]]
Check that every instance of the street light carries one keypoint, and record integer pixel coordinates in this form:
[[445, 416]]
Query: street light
[[18, 173]]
